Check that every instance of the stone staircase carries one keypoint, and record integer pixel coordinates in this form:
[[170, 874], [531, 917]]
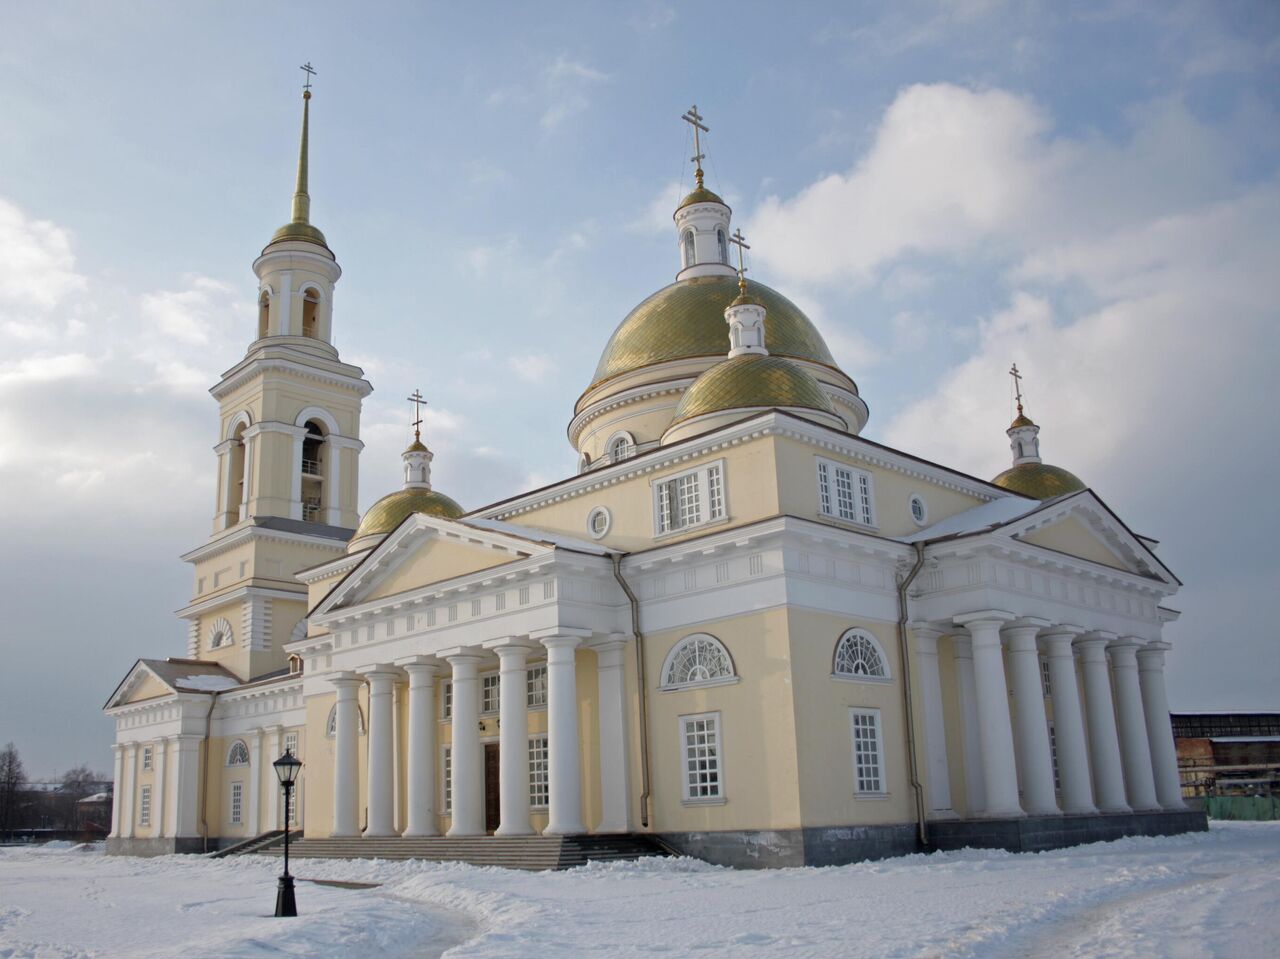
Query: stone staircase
[[254, 844], [510, 852]]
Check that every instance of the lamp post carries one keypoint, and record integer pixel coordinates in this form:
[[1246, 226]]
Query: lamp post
[[286, 767]]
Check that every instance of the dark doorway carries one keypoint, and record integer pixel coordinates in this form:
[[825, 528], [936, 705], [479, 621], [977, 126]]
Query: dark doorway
[[491, 807]]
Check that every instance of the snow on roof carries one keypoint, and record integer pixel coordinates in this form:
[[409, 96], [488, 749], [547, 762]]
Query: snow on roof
[[988, 515], [537, 535], [207, 683], [97, 797]]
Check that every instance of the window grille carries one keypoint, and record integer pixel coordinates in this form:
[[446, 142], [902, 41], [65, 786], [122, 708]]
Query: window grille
[[1044, 676], [537, 686], [858, 654], [146, 757], [291, 743], [845, 493], [446, 780], [867, 751], [1053, 754], [311, 509], [539, 775], [620, 447], [702, 772], [696, 659], [446, 699], [690, 499], [237, 803], [144, 806], [239, 755], [489, 696]]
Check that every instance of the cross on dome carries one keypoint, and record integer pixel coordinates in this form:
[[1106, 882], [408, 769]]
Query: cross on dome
[[310, 71], [418, 402], [741, 243], [694, 119], [1017, 385]]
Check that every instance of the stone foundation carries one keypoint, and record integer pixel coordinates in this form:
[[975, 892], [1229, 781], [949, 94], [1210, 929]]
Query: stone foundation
[[117, 846]]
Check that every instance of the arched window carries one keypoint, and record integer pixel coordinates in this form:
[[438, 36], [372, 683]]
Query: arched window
[[331, 726], [295, 665], [220, 634], [723, 246], [686, 248], [859, 656], [239, 755], [621, 445], [310, 313], [697, 660], [313, 453], [264, 313], [235, 476]]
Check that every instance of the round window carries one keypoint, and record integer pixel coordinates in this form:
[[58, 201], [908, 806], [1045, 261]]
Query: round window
[[598, 521], [919, 512]]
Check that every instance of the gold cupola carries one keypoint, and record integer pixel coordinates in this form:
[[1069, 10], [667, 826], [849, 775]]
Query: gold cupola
[[1029, 475]]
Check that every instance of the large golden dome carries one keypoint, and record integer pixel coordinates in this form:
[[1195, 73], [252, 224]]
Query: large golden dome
[[686, 320], [1039, 480], [390, 511], [752, 381]]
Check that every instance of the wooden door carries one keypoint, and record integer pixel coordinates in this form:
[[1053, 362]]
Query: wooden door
[[491, 806]]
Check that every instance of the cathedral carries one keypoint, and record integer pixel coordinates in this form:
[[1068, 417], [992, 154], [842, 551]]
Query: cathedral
[[740, 629]]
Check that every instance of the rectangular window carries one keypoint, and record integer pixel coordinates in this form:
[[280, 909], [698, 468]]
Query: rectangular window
[[1044, 676], [690, 499], [539, 790], [537, 686], [146, 757], [446, 699], [868, 751], [295, 802], [446, 780], [1053, 755], [489, 693], [702, 769], [845, 493], [144, 806], [291, 743], [237, 803]]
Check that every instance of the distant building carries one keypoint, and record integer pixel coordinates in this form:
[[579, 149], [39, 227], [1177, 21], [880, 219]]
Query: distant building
[[93, 814], [1228, 754]]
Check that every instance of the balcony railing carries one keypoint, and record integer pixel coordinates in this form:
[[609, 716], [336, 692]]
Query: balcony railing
[[310, 467]]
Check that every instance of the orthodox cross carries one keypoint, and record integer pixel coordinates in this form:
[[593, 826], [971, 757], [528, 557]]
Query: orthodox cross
[[694, 119], [1017, 386], [417, 400], [740, 242], [310, 72]]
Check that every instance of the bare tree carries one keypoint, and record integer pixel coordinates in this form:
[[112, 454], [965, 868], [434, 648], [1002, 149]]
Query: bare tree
[[77, 782], [12, 778]]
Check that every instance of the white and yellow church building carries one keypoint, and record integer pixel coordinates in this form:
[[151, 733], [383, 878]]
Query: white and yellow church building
[[741, 627]]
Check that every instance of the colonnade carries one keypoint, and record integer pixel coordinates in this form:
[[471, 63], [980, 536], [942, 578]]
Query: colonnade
[[1115, 751], [461, 666]]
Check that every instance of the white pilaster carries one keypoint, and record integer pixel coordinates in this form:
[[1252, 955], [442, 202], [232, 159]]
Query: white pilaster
[[421, 818], [186, 786], [999, 773], [255, 778], [346, 785], [1155, 708], [467, 767], [1035, 762], [937, 771], [381, 756], [295, 481], [615, 788], [117, 788], [1140, 787], [160, 818], [563, 742], [1068, 721], [1100, 721], [513, 739], [130, 788], [272, 750], [974, 793]]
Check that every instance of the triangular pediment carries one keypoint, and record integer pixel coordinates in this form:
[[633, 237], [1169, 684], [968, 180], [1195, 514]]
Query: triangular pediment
[[1073, 537], [140, 683]]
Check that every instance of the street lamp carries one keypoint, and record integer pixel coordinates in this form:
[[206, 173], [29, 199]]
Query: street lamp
[[287, 767]]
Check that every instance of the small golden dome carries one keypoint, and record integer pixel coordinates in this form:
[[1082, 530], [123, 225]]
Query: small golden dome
[[390, 511], [417, 446], [1039, 480], [298, 231], [1022, 420], [752, 381], [700, 195]]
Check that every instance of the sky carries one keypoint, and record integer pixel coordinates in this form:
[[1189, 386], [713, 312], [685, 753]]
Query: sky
[[1090, 190]]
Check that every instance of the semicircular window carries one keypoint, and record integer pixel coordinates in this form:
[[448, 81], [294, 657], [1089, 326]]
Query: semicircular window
[[697, 660], [858, 655]]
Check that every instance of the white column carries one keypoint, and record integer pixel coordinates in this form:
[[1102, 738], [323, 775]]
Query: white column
[[346, 740], [615, 787], [999, 773], [937, 771], [1068, 722], [513, 740], [1031, 733], [1155, 707], [275, 801], [1134, 750], [295, 481], [186, 776], [225, 484], [332, 484], [381, 756], [467, 768], [421, 819], [255, 778], [1100, 720], [117, 788], [158, 803], [130, 787], [974, 793], [563, 743]]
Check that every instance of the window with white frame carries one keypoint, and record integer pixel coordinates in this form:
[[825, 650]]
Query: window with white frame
[[220, 634], [537, 686], [331, 726], [446, 779], [489, 695], [146, 758], [621, 445], [237, 804], [144, 806], [689, 499], [291, 744], [1044, 676], [239, 754], [703, 774], [295, 802], [868, 751], [446, 699], [1053, 755], [845, 493], [859, 656], [539, 773], [697, 660]]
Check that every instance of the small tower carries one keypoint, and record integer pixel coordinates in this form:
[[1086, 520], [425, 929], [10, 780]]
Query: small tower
[[1029, 475], [702, 219], [1024, 435], [417, 458], [745, 315]]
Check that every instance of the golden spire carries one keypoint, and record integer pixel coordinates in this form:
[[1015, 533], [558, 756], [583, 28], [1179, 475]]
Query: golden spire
[[694, 119], [299, 226]]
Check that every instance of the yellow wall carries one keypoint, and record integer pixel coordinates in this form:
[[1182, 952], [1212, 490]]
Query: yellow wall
[[148, 688], [1070, 537], [439, 559]]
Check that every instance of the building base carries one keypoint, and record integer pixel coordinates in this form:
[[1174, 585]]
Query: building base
[[157, 846], [838, 845]]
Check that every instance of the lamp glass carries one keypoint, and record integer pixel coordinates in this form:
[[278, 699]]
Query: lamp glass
[[287, 767]]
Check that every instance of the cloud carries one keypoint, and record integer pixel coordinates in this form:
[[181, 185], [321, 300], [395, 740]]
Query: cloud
[[532, 368], [656, 217], [45, 369], [562, 68], [37, 269], [567, 82]]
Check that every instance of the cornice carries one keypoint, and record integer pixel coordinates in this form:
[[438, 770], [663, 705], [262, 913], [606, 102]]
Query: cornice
[[342, 564], [250, 367], [240, 592], [635, 394], [238, 537]]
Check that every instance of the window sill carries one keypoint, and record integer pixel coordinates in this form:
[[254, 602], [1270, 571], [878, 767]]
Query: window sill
[[873, 680], [872, 797], [718, 801], [671, 534], [849, 523], [708, 684]]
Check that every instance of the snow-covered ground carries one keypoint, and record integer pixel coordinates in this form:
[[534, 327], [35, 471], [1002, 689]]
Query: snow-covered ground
[[1211, 894]]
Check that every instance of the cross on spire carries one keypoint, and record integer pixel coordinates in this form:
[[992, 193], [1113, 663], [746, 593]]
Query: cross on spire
[[740, 242], [310, 72], [418, 402], [694, 119], [1017, 385]]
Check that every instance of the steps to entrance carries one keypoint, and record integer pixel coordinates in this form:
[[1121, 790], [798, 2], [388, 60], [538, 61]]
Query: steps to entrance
[[511, 852], [253, 844]]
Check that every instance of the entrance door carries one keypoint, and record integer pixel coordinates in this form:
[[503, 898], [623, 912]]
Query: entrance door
[[491, 807]]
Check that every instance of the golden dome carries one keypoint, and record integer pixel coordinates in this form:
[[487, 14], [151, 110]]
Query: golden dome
[[686, 320], [297, 230], [1039, 480], [700, 195], [390, 511], [751, 381], [1022, 420]]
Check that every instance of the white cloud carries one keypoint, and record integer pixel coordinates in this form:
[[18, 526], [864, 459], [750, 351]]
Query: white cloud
[[37, 269], [532, 368], [45, 369], [656, 217], [562, 68]]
